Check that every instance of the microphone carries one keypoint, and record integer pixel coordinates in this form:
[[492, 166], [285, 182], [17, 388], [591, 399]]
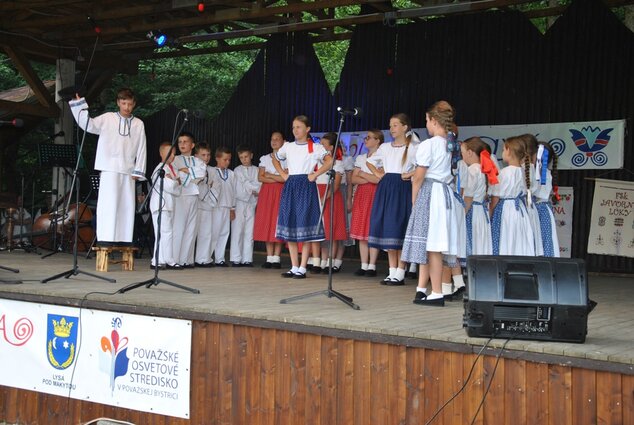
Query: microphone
[[16, 122], [353, 112], [197, 113]]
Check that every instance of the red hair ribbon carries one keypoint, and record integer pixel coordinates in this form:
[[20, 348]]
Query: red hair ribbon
[[556, 193], [488, 167], [339, 155]]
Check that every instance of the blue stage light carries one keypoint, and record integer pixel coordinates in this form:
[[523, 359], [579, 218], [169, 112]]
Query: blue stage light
[[160, 40]]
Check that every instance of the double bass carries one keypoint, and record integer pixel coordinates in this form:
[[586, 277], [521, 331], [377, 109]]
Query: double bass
[[60, 226]]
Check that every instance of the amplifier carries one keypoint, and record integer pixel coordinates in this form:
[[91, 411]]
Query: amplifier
[[535, 298]]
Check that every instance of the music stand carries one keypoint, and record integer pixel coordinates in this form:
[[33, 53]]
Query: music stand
[[75, 184], [329, 292], [94, 186], [160, 176], [63, 156]]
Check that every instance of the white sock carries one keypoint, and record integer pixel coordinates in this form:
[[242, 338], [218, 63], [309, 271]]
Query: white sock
[[434, 296], [316, 261], [364, 266], [338, 263], [371, 266], [324, 264], [301, 270], [447, 288], [458, 281], [419, 289], [412, 268], [392, 272], [399, 274], [275, 258], [269, 258], [294, 269]]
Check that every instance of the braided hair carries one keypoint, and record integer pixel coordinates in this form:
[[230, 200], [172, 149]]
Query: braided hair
[[517, 147]]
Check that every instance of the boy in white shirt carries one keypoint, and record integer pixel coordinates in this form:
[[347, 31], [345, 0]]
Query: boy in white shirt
[[207, 199], [223, 213]]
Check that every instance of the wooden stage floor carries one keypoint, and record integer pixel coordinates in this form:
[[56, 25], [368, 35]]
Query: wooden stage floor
[[251, 296]]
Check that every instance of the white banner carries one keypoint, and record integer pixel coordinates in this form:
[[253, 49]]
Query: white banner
[[579, 145], [124, 360], [612, 225], [563, 219]]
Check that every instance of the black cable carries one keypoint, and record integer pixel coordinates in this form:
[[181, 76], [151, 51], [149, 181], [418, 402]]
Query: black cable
[[464, 385], [79, 337], [484, 396]]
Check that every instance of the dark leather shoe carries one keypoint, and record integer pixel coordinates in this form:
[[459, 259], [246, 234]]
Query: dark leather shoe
[[289, 274], [236, 265], [457, 294], [359, 272], [276, 265], [370, 273], [395, 282], [160, 267], [203, 265], [419, 297], [175, 267], [267, 265], [411, 275], [299, 275], [316, 270], [436, 302], [222, 264]]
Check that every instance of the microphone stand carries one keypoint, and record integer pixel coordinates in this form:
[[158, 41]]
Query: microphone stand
[[154, 281], [330, 190], [75, 184]]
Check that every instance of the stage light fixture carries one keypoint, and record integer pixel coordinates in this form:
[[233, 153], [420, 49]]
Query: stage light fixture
[[201, 6], [159, 38]]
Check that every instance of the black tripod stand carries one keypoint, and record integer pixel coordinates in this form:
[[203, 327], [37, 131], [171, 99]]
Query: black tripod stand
[[159, 177], [330, 191], [9, 269], [75, 184]]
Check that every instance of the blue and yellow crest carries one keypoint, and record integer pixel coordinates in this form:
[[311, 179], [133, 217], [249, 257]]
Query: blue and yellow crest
[[61, 340]]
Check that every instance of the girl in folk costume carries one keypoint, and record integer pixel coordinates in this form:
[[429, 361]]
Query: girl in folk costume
[[481, 173], [547, 183], [339, 233], [266, 211], [530, 142], [511, 228], [366, 184], [432, 234], [392, 201], [299, 214]]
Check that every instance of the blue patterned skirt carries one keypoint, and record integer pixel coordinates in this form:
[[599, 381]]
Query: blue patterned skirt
[[299, 214], [391, 208], [548, 229]]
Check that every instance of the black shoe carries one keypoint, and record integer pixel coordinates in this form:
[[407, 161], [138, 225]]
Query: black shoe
[[359, 272], [385, 281], [160, 267], [457, 294], [289, 274], [236, 265], [411, 275], [336, 269], [395, 282], [187, 266], [370, 273], [276, 265], [317, 270], [419, 297], [267, 265], [246, 265], [174, 267], [436, 302], [309, 267], [203, 265], [222, 264], [299, 275]]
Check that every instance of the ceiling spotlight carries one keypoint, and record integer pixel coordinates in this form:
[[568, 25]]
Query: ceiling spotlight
[[201, 6], [159, 38]]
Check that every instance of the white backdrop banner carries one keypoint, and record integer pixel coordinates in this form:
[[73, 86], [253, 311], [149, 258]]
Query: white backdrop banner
[[579, 145], [612, 226], [124, 360], [563, 219]]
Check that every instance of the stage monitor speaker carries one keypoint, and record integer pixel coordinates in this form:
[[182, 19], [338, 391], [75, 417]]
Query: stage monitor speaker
[[535, 298]]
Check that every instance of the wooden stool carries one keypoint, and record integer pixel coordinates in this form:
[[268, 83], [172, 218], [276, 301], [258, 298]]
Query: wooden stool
[[103, 253]]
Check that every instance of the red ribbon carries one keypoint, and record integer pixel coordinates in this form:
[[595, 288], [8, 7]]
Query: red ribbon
[[556, 193], [488, 167]]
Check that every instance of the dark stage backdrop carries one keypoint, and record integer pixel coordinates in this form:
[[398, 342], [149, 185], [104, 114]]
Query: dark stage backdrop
[[494, 67]]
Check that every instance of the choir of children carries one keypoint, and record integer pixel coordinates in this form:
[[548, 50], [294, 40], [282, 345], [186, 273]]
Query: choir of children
[[410, 198]]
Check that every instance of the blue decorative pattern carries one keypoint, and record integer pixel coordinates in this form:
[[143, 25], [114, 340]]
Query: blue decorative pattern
[[545, 213]]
